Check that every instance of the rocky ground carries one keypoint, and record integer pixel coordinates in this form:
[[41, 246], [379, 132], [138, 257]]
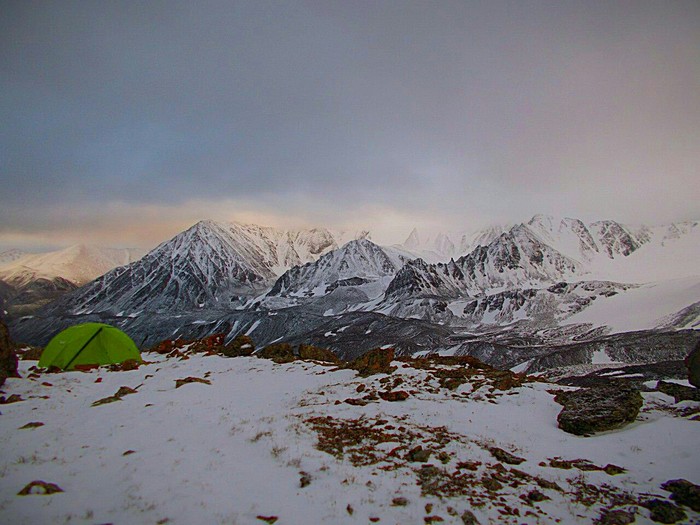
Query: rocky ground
[[193, 436]]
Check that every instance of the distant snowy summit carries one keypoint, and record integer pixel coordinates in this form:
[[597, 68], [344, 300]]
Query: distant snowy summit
[[30, 280]]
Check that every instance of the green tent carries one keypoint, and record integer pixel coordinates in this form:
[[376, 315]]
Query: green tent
[[89, 344]]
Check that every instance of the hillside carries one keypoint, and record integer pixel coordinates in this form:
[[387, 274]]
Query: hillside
[[250, 441]]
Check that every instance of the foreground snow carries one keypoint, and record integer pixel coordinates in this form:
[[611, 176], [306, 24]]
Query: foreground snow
[[246, 447]]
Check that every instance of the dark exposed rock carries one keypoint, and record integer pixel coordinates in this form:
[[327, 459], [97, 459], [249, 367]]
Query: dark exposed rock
[[8, 357], [377, 361], [679, 392], [396, 395], [684, 492], [180, 382], [124, 366], [492, 484], [590, 410], [418, 454], [32, 424], [468, 518], [693, 364], [615, 517], [279, 353], [316, 353], [12, 398], [535, 496], [665, 511], [505, 457]]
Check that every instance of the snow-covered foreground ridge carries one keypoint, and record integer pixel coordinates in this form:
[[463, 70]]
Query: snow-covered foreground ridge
[[258, 442]]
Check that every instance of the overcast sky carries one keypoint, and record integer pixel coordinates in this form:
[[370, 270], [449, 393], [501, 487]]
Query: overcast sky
[[123, 123]]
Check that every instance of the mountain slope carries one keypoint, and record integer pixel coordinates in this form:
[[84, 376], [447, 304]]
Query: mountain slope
[[33, 280], [209, 265], [357, 263], [444, 246], [514, 259], [78, 264]]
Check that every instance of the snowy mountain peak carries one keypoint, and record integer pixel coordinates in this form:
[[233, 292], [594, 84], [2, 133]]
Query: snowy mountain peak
[[357, 263], [413, 240], [78, 264]]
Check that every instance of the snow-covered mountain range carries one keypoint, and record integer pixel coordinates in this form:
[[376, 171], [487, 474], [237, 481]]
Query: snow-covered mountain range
[[210, 265], [548, 280], [29, 280], [78, 264]]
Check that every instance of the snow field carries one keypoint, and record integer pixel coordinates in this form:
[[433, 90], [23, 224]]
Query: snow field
[[237, 449]]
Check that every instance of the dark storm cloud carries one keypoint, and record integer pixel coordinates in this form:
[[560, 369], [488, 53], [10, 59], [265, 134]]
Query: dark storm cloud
[[458, 110]]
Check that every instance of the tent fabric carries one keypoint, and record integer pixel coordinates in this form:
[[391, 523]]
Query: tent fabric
[[89, 344]]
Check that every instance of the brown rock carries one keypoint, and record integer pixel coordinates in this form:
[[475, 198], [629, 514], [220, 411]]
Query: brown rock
[[40, 487], [180, 382], [505, 457], [396, 395], [418, 454]]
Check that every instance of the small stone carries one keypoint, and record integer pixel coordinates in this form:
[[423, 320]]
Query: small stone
[[124, 391], [468, 465], [40, 487], [428, 508], [397, 395], [12, 398], [355, 402], [128, 452], [418, 454], [268, 519], [180, 382], [492, 485], [505, 457], [304, 480], [535, 495], [613, 470], [399, 501], [468, 518], [33, 424]]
